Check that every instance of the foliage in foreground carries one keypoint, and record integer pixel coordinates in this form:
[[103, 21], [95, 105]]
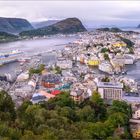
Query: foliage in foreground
[[60, 118]]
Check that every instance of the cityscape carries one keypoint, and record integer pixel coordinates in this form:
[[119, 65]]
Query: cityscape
[[65, 76]]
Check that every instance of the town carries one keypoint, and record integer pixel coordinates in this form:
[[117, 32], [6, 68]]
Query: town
[[96, 61]]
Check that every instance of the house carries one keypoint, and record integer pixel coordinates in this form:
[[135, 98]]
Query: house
[[119, 44], [64, 64], [37, 98], [56, 92], [82, 91], [23, 76], [41, 96], [51, 80], [135, 128], [32, 83], [109, 90], [93, 62], [105, 66], [77, 92], [77, 95], [136, 114], [125, 59]]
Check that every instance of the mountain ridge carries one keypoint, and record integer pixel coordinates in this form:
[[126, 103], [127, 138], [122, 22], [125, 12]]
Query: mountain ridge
[[41, 24], [14, 25], [66, 26]]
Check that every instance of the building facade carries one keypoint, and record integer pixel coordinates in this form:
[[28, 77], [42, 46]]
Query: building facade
[[109, 90]]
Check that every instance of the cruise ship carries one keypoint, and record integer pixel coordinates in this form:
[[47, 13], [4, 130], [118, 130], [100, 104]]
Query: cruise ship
[[9, 57]]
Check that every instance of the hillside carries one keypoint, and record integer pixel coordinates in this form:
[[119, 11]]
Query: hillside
[[69, 25], [113, 29], [14, 25], [41, 24], [4, 37], [62, 119]]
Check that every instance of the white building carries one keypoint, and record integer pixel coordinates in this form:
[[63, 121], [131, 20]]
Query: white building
[[126, 59], [64, 64], [110, 90], [105, 66], [23, 76], [136, 115]]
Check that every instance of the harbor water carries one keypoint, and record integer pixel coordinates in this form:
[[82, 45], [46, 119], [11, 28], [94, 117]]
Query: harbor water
[[32, 47]]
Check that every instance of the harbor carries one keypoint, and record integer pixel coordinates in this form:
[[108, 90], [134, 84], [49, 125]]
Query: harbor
[[31, 48]]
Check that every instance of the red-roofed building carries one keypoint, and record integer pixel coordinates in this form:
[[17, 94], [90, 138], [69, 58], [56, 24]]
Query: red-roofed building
[[55, 92], [48, 95]]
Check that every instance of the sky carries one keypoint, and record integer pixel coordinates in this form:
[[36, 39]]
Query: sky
[[91, 13]]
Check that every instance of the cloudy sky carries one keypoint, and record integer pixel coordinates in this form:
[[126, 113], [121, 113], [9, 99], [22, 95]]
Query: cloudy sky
[[92, 13]]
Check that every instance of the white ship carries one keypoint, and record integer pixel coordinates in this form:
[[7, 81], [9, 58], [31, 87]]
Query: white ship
[[9, 57]]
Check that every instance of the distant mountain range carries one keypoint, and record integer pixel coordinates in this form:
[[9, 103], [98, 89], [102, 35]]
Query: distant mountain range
[[14, 25], [15, 28], [41, 24], [113, 29], [69, 25]]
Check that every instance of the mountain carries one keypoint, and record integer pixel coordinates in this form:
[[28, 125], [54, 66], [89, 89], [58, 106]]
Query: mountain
[[138, 26], [69, 25], [14, 25], [116, 30], [113, 29], [4, 37], [43, 23]]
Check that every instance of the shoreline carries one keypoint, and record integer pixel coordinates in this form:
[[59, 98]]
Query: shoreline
[[40, 37]]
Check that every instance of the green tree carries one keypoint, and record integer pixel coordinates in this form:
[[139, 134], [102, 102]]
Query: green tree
[[49, 135], [104, 50], [106, 57], [29, 135], [37, 70], [34, 116], [58, 70], [105, 79], [21, 110], [118, 119], [98, 130], [98, 105], [7, 107], [96, 98], [62, 100], [120, 106], [86, 114]]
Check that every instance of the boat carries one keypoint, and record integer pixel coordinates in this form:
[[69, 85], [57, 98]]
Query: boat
[[26, 59], [10, 57]]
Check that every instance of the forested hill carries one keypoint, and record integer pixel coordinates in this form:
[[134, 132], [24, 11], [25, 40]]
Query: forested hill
[[14, 25], [61, 118], [69, 25], [4, 37]]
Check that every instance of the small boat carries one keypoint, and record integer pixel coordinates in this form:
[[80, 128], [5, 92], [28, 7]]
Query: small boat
[[22, 63], [24, 59]]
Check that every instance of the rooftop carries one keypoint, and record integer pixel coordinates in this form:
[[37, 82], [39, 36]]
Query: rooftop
[[109, 85], [131, 99]]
